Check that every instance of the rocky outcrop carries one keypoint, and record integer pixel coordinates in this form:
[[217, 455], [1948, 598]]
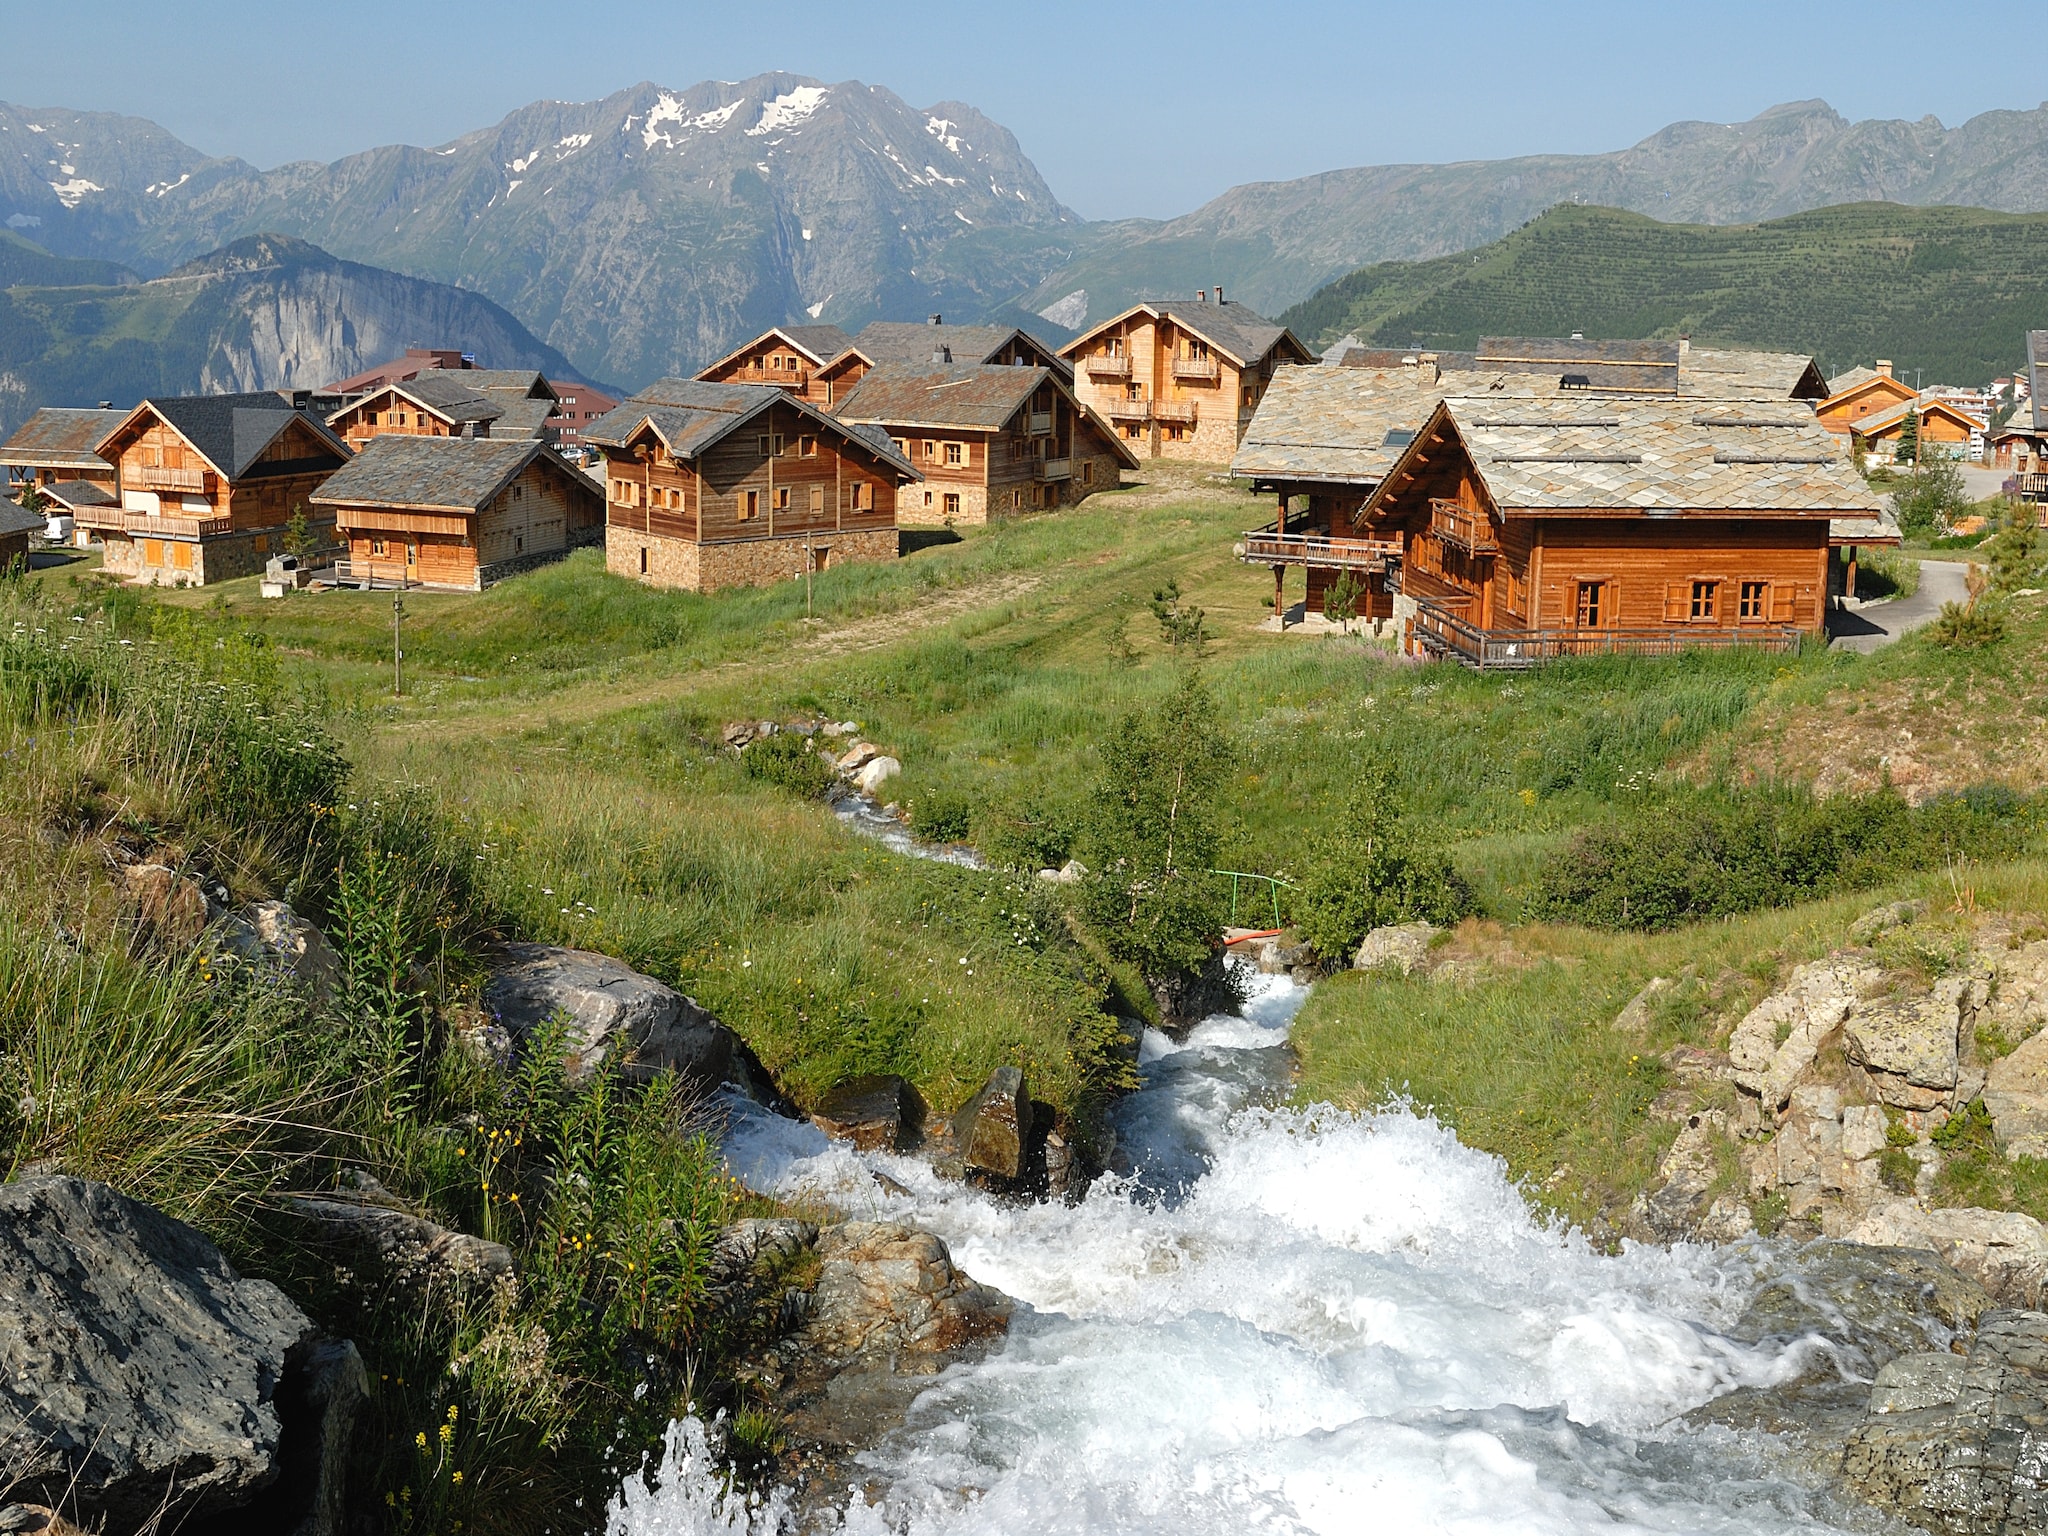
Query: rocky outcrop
[[992, 1130], [875, 773], [270, 937], [1401, 949], [876, 1113], [1958, 1444], [1779, 1038], [2016, 1096], [139, 1372], [892, 1291], [1684, 1204], [615, 1015], [2004, 1251], [397, 1244]]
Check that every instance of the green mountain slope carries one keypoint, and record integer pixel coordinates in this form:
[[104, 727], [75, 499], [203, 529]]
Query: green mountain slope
[[1950, 291], [267, 312]]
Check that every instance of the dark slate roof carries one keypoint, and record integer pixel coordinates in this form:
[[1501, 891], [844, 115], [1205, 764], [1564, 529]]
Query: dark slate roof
[[524, 381], [233, 430], [74, 494], [459, 474], [61, 435], [450, 395], [906, 341], [979, 396], [14, 520], [691, 414], [1237, 328], [821, 343], [523, 419]]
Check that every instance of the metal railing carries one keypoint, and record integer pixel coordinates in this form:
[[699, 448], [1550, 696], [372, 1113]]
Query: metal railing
[[1273, 883], [1511, 650], [1462, 528], [1108, 367], [1266, 548], [1203, 369]]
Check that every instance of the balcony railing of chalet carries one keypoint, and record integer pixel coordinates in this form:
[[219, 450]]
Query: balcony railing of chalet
[[2031, 485], [1443, 633], [1129, 410], [1268, 548], [155, 478], [1204, 370], [1108, 367], [372, 574], [1040, 423], [164, 525], [1175, 410], [1052, 469], [1462, 528], [788, 378]]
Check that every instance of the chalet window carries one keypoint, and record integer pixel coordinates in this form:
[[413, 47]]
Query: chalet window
[[782, 498], [817, 498], [643, 559], [807, 447], [376, 546], [956, 453], [750, 505], [927, 498], [1705, 601], [952, 505], [861, 501], [1593, 604], [1088, 472], [902, 445], [1250, 395], [1753, 601], [931, 449]]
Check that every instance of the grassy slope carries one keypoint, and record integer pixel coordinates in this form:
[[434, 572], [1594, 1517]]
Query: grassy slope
[[1948, 290]]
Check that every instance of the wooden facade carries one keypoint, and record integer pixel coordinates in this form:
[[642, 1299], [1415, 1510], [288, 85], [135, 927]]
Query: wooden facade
[[1181, 381], [812, 362], [710, 486], [991, 440], [1861, 393], [60, 446], [208, 485], [1939, 427], [394, 409]]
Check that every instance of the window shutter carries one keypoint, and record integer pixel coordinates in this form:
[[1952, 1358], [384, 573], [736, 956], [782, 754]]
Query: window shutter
[[1781, 603], [1677, 602]]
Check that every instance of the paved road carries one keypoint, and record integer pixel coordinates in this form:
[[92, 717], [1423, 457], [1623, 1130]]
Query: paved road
[[1879, 624]]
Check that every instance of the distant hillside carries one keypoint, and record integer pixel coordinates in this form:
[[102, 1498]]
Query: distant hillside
[[1950, 291], [267, 312], [1271, 243]]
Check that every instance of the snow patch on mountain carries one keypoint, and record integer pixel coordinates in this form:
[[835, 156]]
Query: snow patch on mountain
[[790, 108], [942, 130], [71, 193]]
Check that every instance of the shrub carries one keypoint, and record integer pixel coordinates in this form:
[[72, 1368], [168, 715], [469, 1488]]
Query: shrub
[[1026, 838], [1716, 854], [1930, 498], [941, 815], [1966, 627], [789, 761], [1374, 872]]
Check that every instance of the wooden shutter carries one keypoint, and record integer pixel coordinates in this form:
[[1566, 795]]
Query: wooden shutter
[[1677, 602], [1781, 602]]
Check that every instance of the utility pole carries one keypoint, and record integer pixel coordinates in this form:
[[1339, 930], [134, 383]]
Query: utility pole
[[398, 645]]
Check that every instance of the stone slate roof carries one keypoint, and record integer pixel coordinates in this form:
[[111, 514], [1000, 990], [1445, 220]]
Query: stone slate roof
[[76, 494], [441, 391], [61, 435], [1740, 456], [1639, 367], [1237, 330], [1723, 373], [977, 396], [14, 520], [820, 343], [530, 382], [1864, 425], [523, 419], [441, 474], [906, 341], [1883, 528], [691, 415], [233, 430]]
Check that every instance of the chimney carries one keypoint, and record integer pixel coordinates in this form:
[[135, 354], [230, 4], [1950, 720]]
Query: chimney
[[942, 354], [1884, 366], [1684, 347], [935, 320], [1219, 293], [1201, 295], [1578, 335]]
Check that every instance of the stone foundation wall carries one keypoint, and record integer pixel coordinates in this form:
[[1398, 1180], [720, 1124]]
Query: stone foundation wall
[[911, 512], [223, 557], [744, 563]]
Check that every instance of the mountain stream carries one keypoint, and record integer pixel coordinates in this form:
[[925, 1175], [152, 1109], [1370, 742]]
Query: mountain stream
[[1290, 1320]]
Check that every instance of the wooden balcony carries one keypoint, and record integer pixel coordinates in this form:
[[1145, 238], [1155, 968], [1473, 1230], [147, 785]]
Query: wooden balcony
[[1199, 370], [1040, 423], [1462, 528], [1128, 410], [145, 525], [1107, 367], [785, 378], [1182, 412], [1052, 469], [146, 477], [1268, 548], [1443, 633]]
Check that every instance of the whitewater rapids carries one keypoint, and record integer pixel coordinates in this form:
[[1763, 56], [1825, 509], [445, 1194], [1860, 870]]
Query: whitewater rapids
[[1284, 1321]]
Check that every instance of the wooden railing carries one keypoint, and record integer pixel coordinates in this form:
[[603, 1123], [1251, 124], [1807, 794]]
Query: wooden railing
[[1267, 548], [1040, 423], [1128, 410], [165, 525], [1108, 367], [788, 378], [372, 574], [1443, 633], [1053, 469], [151, 477], [1203, 369], [1462, 528], [1183, 411], [2029, 484]]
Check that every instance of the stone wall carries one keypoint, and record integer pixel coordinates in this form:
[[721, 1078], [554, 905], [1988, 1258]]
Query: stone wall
[[742, 563], [224, 558], [912, 512]]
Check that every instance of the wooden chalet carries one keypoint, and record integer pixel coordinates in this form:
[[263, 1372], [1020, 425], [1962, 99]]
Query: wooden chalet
[[725, 485], [208, 484], [821, 364], [570, 404], [798, 358], [432, 405], [1520, 530], [1939, 427], [1181, 381], [57, 451], [990, 439], [1862, 392], [457, 513], [19, 530]]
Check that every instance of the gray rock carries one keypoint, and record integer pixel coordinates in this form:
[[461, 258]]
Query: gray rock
[[1634, 1017], [1402, 948], [1911, 1382], [857, 757], [877, 772], [2016, 1094], [992, 1130], [271, 936], [405, 1246], [1682, 1198], [1187, 997], [2018, 1005], [1872, 1304], [2004, 1251], [137, 1369], [1912, 1047], [615, 1015], [326, 1386], [876, 1113], [1879, 921], [1779, 1038]]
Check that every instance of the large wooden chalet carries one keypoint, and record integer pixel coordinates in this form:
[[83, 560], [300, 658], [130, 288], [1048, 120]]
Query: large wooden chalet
[[472, 402], [1862, 392], [1939, 426], [457, 513], [1181, 381], [1518, 530], [57, 451], [208, 484], [726, 485], [821, 364], [2021, 444], [990, 439]]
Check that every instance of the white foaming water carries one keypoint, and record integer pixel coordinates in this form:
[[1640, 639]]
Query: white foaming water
[[1286, 1320]]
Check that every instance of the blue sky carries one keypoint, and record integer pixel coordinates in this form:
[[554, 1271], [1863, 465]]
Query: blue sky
[[1127, 108]]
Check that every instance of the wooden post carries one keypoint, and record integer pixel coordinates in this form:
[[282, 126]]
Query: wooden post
[[1280, 596]]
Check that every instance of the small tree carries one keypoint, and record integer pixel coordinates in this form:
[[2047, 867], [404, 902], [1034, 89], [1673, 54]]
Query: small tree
[[1373, 872], [298, 536], [1909, 438], [1931, 498], [1180, 623], [1152, 832], [1340, 600], [2015, 557], [33, 501]]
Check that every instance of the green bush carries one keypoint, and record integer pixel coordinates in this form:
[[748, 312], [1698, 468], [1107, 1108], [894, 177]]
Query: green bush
[[789, 761], [1025, 837], [1967, 626], [1373, 872], [1930, 498], [1717, 853], [941, 815]]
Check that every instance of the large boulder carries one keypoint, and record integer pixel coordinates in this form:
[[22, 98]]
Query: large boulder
[[877, 772], [881, 1112], [1402, 948], [2016, 1094], [1955, 1444], [1911, 1047], [400, 1245], [2018, 1005], [615, 1015], [1185, 998], [2004, 1251], [992, 1130], [888, 1290], [1779, 1038], [138, 1371]]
